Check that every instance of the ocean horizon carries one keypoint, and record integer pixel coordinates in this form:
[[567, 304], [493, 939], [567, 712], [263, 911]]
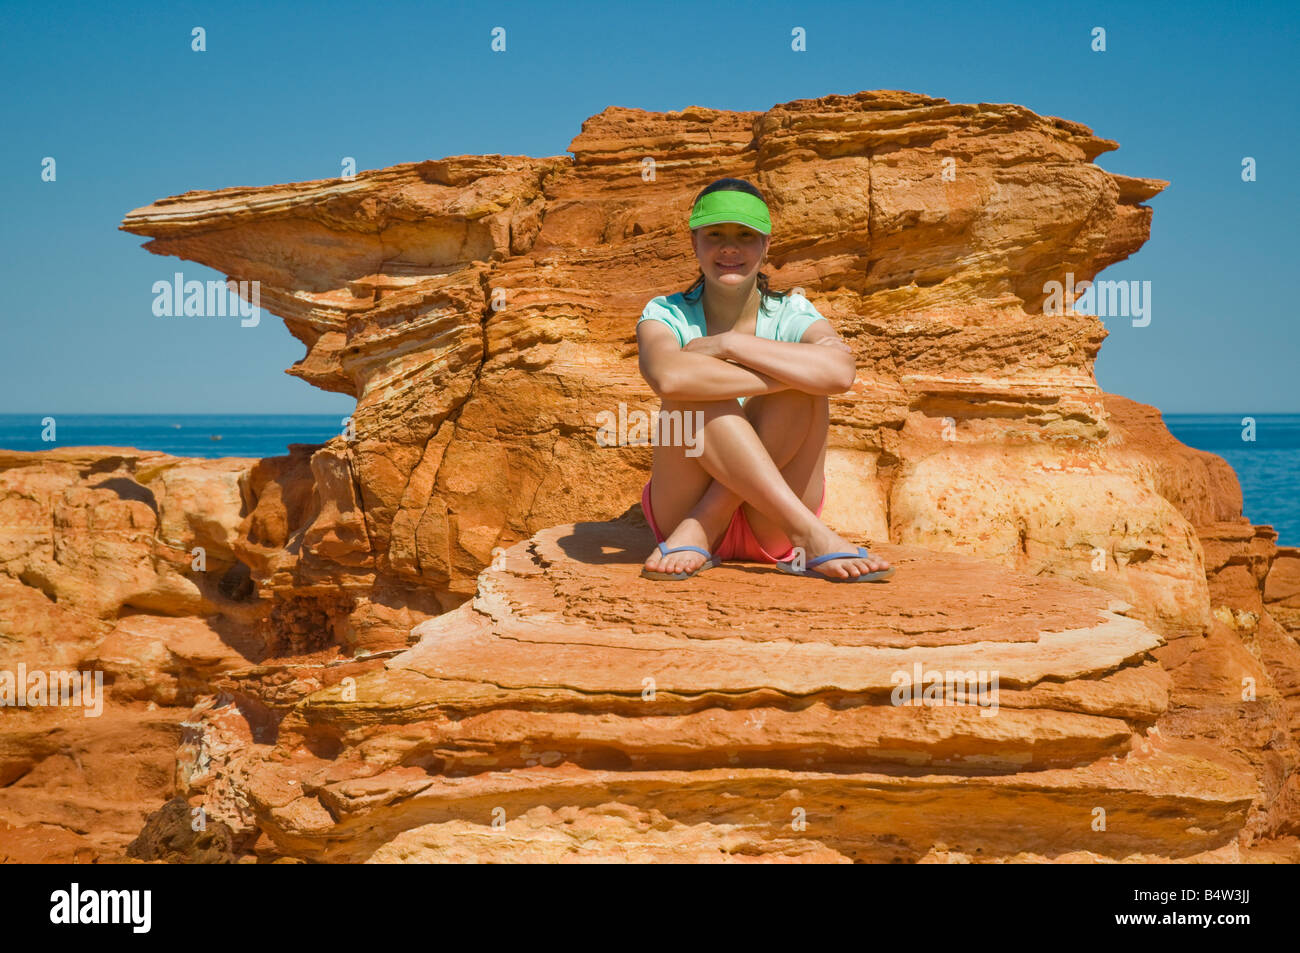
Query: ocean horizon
[[185, 435], [1267, 467]]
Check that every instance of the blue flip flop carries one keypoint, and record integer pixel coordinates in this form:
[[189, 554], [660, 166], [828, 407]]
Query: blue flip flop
[[709, 562], [787, 567]]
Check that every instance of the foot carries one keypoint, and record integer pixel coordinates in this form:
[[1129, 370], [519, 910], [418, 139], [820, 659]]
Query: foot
[[822, 540], [688, 533]]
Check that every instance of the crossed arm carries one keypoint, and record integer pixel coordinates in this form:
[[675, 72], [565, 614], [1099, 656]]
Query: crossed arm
[[731, 364]]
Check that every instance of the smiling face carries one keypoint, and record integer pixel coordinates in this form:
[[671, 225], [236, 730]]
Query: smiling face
[[729, 253]]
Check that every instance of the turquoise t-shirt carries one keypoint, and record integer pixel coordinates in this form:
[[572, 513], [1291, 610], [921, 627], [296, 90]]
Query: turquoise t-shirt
[[779, 319]]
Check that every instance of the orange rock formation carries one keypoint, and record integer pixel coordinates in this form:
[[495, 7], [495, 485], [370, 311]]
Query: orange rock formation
[[428, 640]]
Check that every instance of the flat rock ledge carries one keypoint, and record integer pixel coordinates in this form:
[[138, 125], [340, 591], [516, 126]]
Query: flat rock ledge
[[574, 711]]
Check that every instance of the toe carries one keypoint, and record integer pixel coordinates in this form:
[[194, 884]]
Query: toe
[[683, 562]]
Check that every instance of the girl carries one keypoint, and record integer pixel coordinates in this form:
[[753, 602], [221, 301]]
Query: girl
[[757, 365]]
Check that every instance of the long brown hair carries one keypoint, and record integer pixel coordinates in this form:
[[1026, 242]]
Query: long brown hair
[[735, 185]]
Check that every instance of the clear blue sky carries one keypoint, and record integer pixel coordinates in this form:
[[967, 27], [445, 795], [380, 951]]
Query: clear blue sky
[[283, 92]]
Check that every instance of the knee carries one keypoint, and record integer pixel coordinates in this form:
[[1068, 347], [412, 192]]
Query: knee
[[784, 410], [709, 408], [788, 397], [821, 405], [816, 407]]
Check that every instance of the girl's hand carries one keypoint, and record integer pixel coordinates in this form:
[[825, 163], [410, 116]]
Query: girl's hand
[[711, 345]]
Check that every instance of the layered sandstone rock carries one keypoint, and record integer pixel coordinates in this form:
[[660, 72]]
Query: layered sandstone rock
[[480, 309], [757, 720], [350, 703], [136, 565]]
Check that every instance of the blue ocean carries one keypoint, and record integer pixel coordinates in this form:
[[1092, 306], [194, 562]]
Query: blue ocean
[[1268, 466], [185, 435]]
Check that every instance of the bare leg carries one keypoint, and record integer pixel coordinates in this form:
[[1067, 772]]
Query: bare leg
[[683, 494], [773, 451]]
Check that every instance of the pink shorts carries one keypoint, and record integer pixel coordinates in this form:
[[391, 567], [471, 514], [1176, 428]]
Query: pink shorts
[[739, 541]]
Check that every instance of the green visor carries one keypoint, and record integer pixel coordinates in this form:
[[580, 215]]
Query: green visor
[[739, 207]]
